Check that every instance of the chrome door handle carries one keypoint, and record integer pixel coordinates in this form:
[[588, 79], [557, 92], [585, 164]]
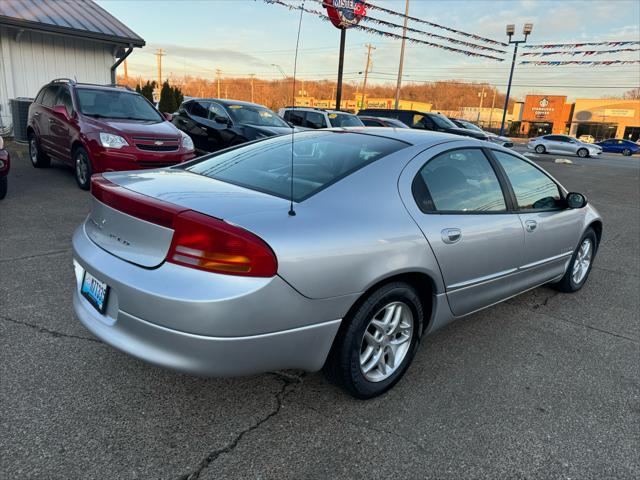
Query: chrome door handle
[[530, 225], [451, 235]]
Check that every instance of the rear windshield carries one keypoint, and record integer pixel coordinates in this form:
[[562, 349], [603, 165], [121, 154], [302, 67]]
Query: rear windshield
[[320, 158], [345, 120], [116, 104]]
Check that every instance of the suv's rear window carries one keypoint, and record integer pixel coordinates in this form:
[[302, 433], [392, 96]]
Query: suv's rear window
[[320, 159]]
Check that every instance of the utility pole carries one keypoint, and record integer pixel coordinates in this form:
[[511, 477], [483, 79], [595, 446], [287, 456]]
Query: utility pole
[[481, 94], [218, 73], [493, 104], [400, 67], [366, 73], [252, 76], [343, 36], [159, 54], [226, 91]]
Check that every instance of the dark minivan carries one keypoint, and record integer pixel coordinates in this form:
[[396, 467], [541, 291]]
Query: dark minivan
[[423, 120]]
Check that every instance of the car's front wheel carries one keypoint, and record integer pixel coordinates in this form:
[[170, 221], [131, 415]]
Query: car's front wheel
[[377, 342], [83, 168], [626, 152], [540, 149], [38, 158], [581, 262], [583, 152]]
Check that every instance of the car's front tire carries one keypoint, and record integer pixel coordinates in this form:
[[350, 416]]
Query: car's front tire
[[581, 262], [583, 152], [38, 158], [540, 149], [4, 186], [377, 341], [82, 167], [626, 152]]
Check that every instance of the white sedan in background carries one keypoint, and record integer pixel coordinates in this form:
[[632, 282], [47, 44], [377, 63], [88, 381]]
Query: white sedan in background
[[563, 144]]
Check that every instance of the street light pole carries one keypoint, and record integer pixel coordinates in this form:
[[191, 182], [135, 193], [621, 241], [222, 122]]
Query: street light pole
[[528, 27], [400, 67]]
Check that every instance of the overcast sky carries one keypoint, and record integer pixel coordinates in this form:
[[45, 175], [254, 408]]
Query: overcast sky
[[247, 36]]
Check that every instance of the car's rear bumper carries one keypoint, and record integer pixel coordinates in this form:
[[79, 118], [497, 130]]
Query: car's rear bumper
[[203, 323]]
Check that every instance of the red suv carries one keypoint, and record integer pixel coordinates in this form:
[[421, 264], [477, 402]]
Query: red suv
[[97, 128]]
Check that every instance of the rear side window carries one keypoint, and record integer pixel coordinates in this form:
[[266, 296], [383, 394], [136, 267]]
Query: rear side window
[[64, 98], [459, 181], [49, 96], [199, 109], [315, 120], [295, 117], [320, 158], [344, 120], [534, 190]]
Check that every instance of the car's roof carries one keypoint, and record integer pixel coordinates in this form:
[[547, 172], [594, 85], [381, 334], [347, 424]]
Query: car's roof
[[407, 135], [93, 86], [227, 102]]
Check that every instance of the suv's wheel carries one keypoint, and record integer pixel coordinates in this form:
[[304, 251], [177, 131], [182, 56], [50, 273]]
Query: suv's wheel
[[377, 342], [540, 149], [38, 158], [626, 152], [4, 183], [583, 152], [580, 265], [83, 169]]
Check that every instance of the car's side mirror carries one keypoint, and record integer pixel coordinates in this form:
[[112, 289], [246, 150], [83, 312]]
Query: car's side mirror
[[61, 110], [576, 200], [221, 119]]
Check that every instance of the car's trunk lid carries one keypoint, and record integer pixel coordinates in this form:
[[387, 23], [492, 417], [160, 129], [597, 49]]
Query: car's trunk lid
[[146, 243]]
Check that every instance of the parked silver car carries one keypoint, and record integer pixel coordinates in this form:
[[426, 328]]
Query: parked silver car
[[208, 268], [564, 145]]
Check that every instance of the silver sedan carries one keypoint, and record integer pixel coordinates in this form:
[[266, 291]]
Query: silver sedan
[[563, 145], [343, 252]]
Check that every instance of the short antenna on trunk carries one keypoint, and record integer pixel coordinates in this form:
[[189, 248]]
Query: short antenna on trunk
[[292, 212]]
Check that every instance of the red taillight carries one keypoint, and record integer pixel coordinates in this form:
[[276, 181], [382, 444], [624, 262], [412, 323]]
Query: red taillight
[[199, 241], [134, 204], [206, 243]]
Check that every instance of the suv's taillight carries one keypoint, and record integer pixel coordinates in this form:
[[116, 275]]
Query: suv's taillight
[[199, 241]]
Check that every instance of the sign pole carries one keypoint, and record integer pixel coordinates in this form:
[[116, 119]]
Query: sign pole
[[343, 34]]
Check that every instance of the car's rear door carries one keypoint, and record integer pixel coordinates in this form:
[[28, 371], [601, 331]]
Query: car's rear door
[[44, 117], [551, 230], [456, 198], [60, 127]]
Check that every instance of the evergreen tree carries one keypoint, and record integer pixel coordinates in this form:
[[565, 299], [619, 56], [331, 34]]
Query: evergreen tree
[[177, 93], [138, 89], [167, 99], [147, 90]]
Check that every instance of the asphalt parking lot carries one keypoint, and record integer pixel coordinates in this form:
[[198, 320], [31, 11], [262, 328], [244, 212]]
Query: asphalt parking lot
[[546, 385]]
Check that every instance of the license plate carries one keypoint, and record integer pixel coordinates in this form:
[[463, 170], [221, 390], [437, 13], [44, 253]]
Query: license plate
[[95, 291]]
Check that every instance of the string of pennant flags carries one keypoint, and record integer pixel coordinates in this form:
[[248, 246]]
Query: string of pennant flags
[[383, 33], [583, 44], [436, 25], [378, 21], [593, 63], [585, 53]]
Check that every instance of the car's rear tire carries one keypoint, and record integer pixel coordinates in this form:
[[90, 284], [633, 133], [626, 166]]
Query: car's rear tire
[[4, 186], [626, 152], [540, 149], [583, 152], [377, 341], [82, 167], [38, 158], [581, 262]]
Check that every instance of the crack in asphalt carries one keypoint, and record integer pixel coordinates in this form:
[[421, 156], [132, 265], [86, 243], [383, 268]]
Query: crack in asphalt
[[287, 380], [36, 255], [53, 333]]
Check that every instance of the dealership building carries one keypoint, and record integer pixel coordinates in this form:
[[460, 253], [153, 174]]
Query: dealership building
[[606, 118], [40, 41]]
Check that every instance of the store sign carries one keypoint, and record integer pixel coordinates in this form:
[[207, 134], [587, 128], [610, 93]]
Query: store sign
[[618, 112], [543, 110], [345, 13]]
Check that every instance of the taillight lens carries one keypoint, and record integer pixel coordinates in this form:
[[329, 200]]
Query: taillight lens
[[206, 243], [199, 241]]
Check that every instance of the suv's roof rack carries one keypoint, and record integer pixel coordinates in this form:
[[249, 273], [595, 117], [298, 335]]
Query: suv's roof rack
[[63, 80], [120, 85]]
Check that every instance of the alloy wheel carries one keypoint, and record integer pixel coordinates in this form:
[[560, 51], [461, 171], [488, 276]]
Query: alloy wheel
[[582, 262], [33, 150], [583, 153], [82, 169], [626, 152], [540, 149], [386, 341]]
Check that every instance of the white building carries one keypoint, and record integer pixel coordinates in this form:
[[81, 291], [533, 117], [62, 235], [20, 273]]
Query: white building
[[41, 40]]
